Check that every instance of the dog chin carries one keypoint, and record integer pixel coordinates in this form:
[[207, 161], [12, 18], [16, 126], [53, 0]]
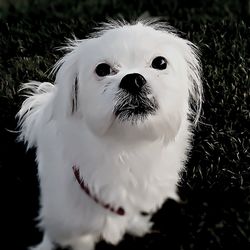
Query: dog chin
[[134, 114], [135, 109], [136, 118]]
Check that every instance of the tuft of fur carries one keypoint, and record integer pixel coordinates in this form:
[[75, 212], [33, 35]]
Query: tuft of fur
[[33, 108]]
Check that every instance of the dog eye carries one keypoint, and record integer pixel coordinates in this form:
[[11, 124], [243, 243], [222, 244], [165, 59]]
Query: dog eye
[[159, 63], [103, 69]]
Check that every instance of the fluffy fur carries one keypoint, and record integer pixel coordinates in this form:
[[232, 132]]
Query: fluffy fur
[[129, 148]]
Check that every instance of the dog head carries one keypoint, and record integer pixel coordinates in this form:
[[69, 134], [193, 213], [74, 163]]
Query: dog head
[[129, 79]]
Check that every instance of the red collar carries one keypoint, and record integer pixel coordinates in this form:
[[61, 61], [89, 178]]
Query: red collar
[[84, 186]]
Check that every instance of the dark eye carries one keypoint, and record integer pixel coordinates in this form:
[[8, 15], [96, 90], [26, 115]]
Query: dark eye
[[159, 63], [103, 69]]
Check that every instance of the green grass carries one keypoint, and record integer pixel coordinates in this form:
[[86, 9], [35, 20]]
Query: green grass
[[215, 184]]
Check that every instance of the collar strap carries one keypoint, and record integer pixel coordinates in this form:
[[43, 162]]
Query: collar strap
[[119, 211]]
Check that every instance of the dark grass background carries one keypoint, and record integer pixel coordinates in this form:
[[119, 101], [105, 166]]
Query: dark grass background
[[215, 186]]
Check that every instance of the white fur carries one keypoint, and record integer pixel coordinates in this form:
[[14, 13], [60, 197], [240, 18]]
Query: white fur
[[135, 166]]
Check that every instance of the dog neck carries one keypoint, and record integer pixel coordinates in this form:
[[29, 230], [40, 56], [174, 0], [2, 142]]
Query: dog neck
[[119, 211]]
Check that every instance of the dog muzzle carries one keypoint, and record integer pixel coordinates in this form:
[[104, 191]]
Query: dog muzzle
[[134, 100]]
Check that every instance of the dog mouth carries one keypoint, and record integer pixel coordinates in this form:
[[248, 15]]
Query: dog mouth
[[134, 108]]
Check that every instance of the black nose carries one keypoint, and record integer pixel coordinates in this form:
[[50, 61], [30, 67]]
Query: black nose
[[132, 83]]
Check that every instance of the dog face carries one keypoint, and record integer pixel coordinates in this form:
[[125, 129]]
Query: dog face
[[129, 79]]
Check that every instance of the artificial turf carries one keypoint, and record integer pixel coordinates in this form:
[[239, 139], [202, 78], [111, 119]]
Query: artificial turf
[[215, 184]]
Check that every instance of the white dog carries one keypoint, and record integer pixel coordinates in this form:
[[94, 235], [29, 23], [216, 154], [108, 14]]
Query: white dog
[[113, 132]]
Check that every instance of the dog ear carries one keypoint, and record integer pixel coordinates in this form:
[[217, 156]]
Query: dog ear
[[67, 82], [194, 70], [191, 55]]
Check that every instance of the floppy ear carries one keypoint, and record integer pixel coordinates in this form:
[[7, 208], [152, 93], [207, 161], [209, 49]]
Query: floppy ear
[[192, 54], [66, 99], [192, 57]]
